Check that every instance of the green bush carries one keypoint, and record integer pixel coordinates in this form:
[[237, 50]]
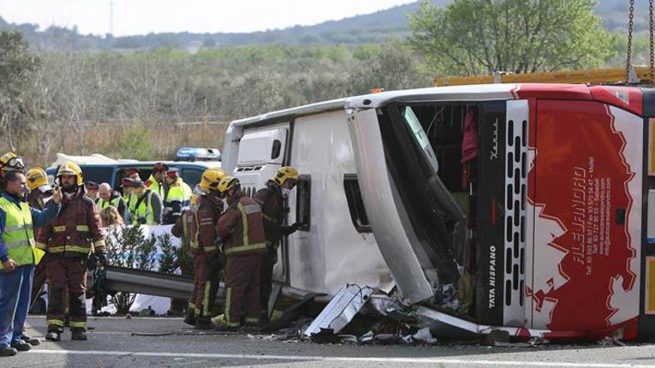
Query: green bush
[[129, 248], [135, 143]]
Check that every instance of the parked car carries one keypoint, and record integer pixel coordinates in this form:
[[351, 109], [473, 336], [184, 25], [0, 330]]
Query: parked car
[[112, 171]]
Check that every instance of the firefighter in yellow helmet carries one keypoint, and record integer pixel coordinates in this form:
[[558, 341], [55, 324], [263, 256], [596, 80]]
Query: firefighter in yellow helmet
[[69, 240], [9, 162], [241, 229], [273, 199], [198, 225], [40, 194], [40, 189]]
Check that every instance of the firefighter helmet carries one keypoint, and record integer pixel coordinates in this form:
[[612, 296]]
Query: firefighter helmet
[[10, 161], [211, 178], [285, 173], [228, 183], [71, 168], [36, 177]]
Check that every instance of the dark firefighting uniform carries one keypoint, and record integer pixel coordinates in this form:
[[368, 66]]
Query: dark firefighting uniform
[[39, 272], [69, 239], [273, 211], [198, 224], [241, 225]]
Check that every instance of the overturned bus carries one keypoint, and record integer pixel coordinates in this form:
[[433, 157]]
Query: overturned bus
[[532, 202]]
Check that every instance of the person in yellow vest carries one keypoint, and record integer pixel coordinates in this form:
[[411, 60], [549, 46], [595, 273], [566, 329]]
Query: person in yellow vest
[[130, 173], [155, 181], [69, 240], [145, 206], [177, 196], [18, 255], [110, 198]]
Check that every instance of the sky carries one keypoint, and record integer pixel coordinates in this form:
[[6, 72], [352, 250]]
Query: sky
[[133, 17]]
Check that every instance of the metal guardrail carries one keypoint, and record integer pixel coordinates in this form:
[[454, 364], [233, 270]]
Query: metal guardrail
[[150, 283]]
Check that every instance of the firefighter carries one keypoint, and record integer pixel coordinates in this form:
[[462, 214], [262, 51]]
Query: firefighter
[[177, 196], [198, 225], [40, 194], [155, 181], [241, 230], [145, 205], [111, 198], [40, 189], [273, 198], [8, 162], [18, 256], [69, 240]]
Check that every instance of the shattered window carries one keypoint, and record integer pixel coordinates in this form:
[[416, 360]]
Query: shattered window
[[419, 134], [355, 204], [303, 202]]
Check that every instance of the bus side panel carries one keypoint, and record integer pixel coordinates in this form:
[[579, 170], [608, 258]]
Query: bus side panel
[[587, 204]]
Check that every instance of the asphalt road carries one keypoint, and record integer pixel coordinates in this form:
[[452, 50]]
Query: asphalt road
[[167, 342]]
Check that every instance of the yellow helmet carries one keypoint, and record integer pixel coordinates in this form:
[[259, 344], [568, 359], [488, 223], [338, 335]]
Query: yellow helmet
[[228, 183], [285, 173], [71, 168], [11, 161], [36, 177], [211, 178]]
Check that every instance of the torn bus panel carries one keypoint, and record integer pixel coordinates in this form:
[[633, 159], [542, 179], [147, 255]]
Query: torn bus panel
[[340, 311]]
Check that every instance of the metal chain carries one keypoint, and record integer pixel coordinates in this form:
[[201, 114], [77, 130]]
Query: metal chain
[[628, 62], [652, 44]]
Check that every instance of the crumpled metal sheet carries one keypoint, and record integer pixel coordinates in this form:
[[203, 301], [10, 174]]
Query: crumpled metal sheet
[[341, 310]]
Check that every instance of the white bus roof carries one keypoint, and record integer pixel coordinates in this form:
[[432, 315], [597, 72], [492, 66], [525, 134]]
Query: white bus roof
[[450, 93]]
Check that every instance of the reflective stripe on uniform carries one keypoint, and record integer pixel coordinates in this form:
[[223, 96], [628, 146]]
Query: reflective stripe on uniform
[[59, 229], [245, 248], [69, 248], [252, 208], [18, 243], [244, 219], [228, 301], [82, 228], [17, 228], [77, 324], [56, 322], [205, 299]]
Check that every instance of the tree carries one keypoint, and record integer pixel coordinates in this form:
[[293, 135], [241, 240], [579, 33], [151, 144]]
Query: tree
[[391, 66], [17, 68], [471, 37]]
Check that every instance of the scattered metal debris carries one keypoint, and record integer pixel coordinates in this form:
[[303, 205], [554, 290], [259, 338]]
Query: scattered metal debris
[[340, 311]]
